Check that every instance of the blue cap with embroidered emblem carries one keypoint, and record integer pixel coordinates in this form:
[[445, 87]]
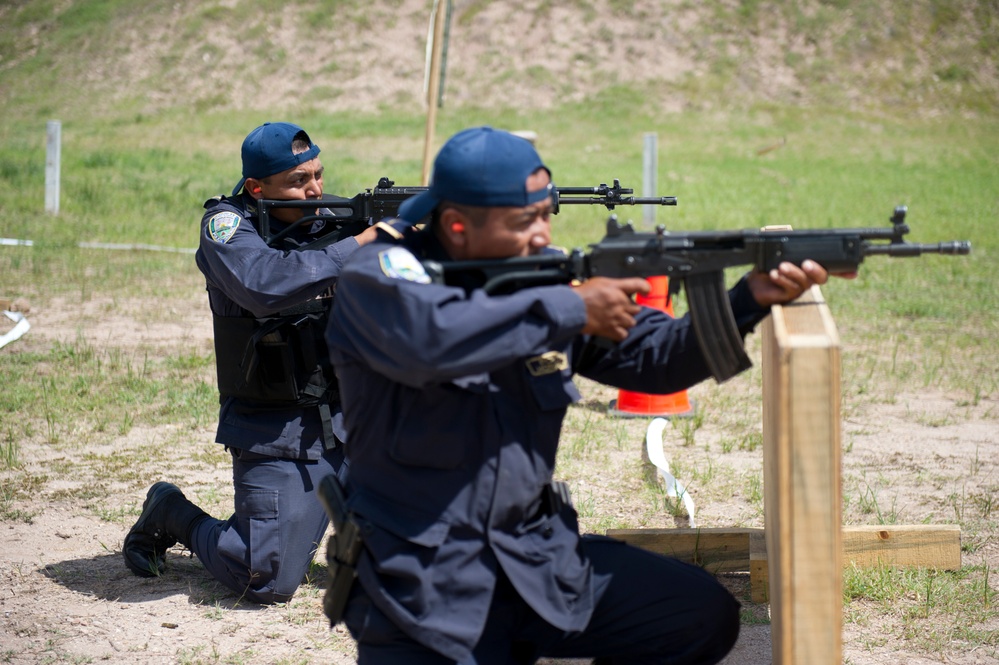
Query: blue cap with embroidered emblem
[[267, 150], [480, 166]]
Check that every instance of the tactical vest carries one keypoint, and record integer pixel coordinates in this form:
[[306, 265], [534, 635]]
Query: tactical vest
[[279, 361]]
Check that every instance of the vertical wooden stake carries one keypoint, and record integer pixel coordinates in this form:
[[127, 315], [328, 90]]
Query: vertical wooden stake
[[53, 149], [650, 175], [802, 495], [433, 87]]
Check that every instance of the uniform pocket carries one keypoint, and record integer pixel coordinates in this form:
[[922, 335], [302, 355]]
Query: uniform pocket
[[263, 531], [437, 425], [403, 543], [553, 391]]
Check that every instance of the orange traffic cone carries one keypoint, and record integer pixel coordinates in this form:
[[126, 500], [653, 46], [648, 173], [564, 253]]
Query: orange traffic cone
[[632, 404]]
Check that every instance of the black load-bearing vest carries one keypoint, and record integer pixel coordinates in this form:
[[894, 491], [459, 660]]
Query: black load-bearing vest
[[279, 361]]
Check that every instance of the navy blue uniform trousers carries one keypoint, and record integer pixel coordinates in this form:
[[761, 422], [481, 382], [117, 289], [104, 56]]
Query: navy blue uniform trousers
[[650, 610], [263, 551]]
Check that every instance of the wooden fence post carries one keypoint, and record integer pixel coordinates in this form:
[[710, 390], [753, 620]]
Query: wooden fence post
[[53, 150], [801, 478]]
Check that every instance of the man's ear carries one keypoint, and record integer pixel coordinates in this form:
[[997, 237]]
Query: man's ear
[[453, 225], [254, 188]]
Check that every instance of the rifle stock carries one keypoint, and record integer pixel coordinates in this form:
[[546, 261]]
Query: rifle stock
[[698, 260]]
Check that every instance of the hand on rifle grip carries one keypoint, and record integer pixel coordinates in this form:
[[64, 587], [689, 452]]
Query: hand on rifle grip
[[610, 309]]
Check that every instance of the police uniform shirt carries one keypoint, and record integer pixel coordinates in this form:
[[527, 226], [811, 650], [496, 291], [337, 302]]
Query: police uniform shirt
[[453, 427], [245, 277]]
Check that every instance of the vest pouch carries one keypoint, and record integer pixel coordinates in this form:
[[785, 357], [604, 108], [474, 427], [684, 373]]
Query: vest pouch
[[275, 370], [254, 360]]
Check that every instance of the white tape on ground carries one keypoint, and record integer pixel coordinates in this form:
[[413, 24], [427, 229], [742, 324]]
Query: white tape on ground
[[17, 242], [21, 326], [674, 488]]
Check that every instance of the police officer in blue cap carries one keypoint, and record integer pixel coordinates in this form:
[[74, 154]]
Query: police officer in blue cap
[[279, 418], [470, 553]]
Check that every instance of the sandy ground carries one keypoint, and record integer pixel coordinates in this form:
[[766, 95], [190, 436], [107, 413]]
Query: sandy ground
[[66, 596]]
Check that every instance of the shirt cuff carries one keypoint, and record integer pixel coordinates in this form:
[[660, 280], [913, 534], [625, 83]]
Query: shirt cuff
[[748, 313]]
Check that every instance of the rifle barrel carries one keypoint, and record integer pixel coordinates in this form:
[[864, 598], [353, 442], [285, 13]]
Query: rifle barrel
[[953, 248], [622, 201]]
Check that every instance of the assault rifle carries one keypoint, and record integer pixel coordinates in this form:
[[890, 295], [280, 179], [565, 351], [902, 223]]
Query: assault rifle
[[348, 217], [345, 217], [698, 260]]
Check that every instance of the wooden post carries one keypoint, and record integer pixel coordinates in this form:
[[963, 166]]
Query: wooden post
[[650, 175], [53, 149], [801, 476], [433, 85]]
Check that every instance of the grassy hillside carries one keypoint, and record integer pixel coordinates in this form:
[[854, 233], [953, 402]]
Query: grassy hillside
[[814, 113], [81, 59]]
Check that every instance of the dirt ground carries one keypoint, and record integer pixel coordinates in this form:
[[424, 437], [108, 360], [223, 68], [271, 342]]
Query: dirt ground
[[66, 595]]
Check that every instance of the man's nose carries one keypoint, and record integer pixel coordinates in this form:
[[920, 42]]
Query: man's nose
[[542, 236], [314, 188]]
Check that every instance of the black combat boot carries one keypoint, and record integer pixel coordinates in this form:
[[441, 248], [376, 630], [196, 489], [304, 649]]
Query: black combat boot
[[167, 517]]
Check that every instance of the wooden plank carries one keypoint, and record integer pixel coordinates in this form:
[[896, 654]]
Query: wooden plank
[[738, 550], [717, 550], [801, 478], [896, 545], [915, 546], [759, 575]]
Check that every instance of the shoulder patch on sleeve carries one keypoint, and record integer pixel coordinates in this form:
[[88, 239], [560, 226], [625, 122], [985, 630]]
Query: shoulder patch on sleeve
[[223, 225], [399, 263]]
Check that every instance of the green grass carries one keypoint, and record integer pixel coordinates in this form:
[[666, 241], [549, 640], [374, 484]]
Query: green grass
[[929, 608], [142, 181], [76, 393]]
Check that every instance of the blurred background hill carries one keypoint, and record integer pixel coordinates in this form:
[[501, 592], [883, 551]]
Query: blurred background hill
[[871, 97], [103, 58]]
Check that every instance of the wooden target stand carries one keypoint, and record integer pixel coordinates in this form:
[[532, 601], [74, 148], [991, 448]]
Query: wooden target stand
[[796, 561]]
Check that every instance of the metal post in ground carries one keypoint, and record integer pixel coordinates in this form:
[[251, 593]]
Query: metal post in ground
[[53, 133], [650, 168]]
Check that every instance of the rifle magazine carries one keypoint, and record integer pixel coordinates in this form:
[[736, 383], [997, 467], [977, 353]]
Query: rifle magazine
[[714, 325]]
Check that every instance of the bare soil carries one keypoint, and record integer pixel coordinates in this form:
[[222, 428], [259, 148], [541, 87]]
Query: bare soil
[[66, 595]]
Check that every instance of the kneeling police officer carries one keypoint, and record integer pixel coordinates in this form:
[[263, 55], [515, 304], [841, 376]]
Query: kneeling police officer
[[279, 417]]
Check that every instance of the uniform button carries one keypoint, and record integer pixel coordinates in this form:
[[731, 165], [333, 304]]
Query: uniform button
[[547, 532]]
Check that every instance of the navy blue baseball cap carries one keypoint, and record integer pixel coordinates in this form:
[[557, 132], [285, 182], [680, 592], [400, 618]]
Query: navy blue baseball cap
[[480, 166], [267, 150]]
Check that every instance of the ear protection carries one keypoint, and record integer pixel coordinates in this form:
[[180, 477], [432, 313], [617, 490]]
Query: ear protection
[[256, 190], [458, 227]]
